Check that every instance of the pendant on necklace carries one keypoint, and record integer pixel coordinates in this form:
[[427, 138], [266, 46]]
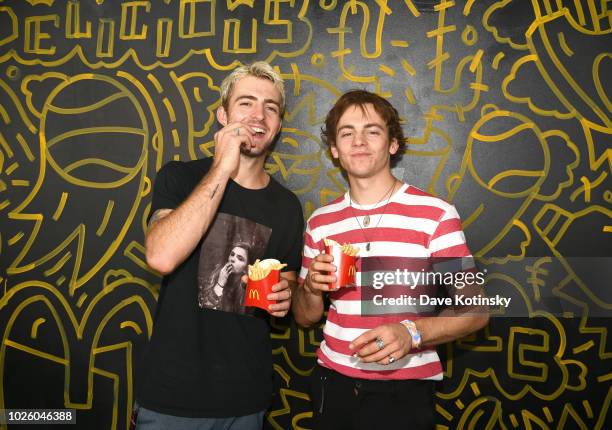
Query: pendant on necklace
[[366, 220], [368, 246]]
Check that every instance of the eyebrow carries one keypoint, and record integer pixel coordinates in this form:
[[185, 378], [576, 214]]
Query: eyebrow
[[369, 125], [253, 98]]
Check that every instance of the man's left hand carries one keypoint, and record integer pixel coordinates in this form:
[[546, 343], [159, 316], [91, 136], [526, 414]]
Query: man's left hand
[[384, 344]]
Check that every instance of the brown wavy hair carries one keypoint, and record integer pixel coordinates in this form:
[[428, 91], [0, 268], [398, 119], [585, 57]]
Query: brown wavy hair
[[361, 98]]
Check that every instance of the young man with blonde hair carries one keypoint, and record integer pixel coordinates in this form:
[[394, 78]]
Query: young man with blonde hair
[[209, 361], [377, 363]]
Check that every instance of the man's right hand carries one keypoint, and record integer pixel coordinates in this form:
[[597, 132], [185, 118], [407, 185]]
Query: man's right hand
[[320, 274], [228, 142]]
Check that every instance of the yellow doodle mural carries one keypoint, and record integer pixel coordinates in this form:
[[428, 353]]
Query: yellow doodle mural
[[506, 105]]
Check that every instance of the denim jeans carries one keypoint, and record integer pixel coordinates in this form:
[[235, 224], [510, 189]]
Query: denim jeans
[[151, 420]]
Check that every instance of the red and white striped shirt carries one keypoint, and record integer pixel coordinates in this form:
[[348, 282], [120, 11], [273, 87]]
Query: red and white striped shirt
[[408, 232]]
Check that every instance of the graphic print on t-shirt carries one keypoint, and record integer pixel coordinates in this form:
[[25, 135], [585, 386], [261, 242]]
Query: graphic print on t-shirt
[[230, 245]]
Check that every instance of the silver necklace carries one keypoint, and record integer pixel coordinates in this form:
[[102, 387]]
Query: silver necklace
[[366, 219]]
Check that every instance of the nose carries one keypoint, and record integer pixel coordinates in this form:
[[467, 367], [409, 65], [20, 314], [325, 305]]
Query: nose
[[258, 111], [359, 139]]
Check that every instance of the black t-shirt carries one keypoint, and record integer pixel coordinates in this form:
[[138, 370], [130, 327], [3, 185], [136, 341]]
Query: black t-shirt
[[207, 357]]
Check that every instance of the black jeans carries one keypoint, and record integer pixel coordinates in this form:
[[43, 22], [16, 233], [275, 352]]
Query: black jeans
[[343, 403]]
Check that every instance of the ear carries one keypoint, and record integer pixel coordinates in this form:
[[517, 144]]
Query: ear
[[334, 151], [222, 116], [393, 147]]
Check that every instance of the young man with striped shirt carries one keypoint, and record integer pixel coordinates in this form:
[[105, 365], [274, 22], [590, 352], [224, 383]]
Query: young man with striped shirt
[[377, 363]]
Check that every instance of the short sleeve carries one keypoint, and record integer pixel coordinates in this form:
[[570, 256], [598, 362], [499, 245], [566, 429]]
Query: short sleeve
[[451, 256], [294, 238], [169, 191], [448, 241], [311, 250]]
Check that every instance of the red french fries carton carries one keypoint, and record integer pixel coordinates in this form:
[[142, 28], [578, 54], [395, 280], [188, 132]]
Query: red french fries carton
[[345, 264], [257, 290]]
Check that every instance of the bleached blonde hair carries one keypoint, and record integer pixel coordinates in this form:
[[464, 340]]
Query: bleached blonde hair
[[259, 69]]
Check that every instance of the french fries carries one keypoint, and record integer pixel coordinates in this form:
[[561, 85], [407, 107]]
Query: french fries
[[349, 250], [260, 269], [330, 242], [346, 248]]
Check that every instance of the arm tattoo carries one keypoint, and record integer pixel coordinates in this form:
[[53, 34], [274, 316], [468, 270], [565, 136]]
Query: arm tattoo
[[214, 191]]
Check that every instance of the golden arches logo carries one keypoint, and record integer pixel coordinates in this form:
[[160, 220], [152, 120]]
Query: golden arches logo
[[352, 270], [254, 294]]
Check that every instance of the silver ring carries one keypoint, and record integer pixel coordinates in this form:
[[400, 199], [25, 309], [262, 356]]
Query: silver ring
[[380, 343], [237, 131], [391, 359]]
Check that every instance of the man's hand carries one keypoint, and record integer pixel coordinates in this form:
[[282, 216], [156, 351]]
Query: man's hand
[[228, 142], [319, 277], [282, 294], [395, 340]]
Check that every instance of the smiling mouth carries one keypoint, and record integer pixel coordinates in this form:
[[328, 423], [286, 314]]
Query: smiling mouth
[[259, 131]]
